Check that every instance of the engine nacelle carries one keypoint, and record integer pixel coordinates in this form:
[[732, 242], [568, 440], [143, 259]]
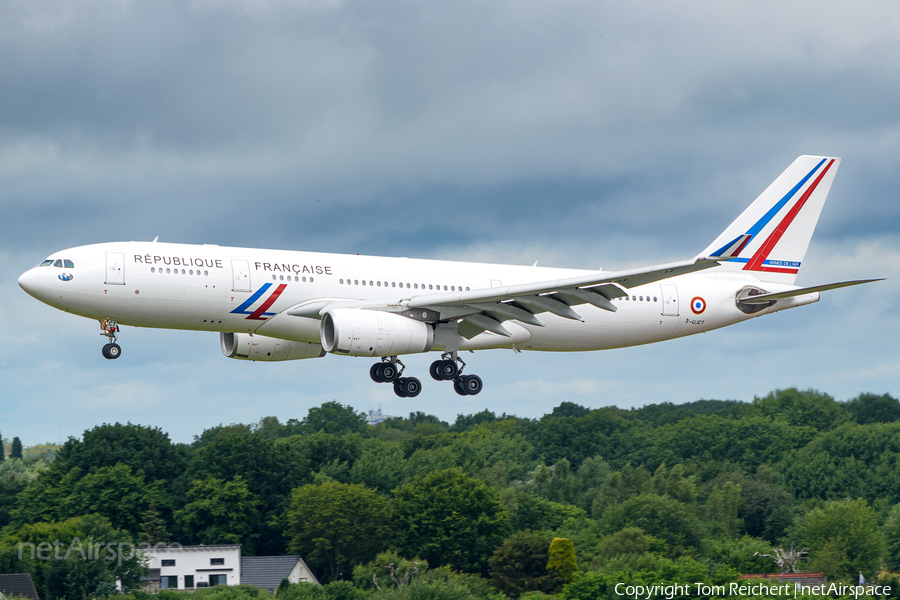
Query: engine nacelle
[[359, 332], [246, 346]]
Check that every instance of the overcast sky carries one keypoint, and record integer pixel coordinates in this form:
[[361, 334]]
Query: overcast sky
[[575, 133]]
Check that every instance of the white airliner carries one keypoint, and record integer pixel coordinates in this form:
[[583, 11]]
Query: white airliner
[[273, 305]]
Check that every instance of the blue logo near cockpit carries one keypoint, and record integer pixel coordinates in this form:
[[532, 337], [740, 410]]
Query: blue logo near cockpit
[[65, 277]]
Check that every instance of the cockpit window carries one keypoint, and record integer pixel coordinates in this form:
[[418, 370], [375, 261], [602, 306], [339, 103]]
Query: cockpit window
[[69, 264], [57, 263], [47, 263]]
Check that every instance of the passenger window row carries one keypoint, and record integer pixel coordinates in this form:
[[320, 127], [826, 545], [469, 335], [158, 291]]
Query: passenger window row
[[175, 271], [395, 284]]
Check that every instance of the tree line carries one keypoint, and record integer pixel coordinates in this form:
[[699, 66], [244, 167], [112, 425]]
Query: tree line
[[490, 505]]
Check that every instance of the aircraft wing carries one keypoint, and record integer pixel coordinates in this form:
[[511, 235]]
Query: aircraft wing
[[485, 309]]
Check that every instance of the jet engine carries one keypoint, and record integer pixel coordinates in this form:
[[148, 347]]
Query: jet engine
[[246, 346], [359, 332]]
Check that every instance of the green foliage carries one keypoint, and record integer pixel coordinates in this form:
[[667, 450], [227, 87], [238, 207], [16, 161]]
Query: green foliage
[[153, 529], [857, 461], [336, 525], [765, 509], [16, 451], [388, 570], [872, 408], [891, 535], [660, 516], [748, 442], [738, 554], [331, 417], [327, 452], [219, 512], [519, 565], [808, 408], [271, 470], [114, 492], [842, 537], [631, 540], [655, 570], [146, 449], [15, 475], [561, 560], [535, 513], [451, 518], [88, 547], [722, 508]]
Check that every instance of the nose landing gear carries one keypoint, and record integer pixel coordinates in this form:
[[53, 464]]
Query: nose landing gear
[[447, 369], [387, 372], [110, 329]]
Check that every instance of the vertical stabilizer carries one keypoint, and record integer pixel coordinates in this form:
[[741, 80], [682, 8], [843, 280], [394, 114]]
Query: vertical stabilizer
[[770, 238]]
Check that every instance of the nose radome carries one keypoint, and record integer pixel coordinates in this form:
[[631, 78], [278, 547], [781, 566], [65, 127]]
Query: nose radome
[[29, 280]]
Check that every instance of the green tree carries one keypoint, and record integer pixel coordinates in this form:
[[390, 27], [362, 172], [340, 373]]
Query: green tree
[[389, 570], [631, 540], [90, 550], [723, 506], [872, 408], [336, 525], [660, 516], [114, 492], [147, 449], [451, 518], [153, 529], [331, 417], [857, 461], [808, 408], [219, 512], [846, 533], [16, 448], [269, 469], [891, 535], [561, 561], [519, 565]]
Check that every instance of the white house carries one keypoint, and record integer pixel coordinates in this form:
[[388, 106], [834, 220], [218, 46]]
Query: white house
[[191, 567]]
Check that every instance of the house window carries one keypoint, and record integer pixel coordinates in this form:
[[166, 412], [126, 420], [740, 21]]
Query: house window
[[216, 580], [188, 581], [167, 562], [217, 561], [168, 582]]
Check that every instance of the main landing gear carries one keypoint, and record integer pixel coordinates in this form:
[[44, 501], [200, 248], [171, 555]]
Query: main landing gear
[[447, 369], [387, 372], [111, 350]]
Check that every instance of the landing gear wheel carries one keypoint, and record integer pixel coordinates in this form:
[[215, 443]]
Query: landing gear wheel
[[373, 373], [388, 372], [433, 369], [113, 351], [407, 387], [458, 387], [472, 384], [104, 350], [448, 369]]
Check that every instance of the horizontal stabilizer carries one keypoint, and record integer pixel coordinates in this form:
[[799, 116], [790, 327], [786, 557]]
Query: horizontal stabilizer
[[766, 298]]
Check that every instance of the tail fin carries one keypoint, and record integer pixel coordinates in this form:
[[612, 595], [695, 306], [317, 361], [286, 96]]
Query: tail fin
[[770, 238]]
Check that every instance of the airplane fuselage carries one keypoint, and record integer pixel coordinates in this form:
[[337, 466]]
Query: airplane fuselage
[[245, 290]]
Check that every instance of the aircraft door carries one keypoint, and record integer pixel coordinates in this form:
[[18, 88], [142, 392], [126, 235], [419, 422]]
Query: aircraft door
[[115, 268], [670, 299], [240, 271]]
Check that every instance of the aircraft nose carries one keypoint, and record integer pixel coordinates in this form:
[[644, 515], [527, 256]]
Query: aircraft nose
[[29, 281]]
